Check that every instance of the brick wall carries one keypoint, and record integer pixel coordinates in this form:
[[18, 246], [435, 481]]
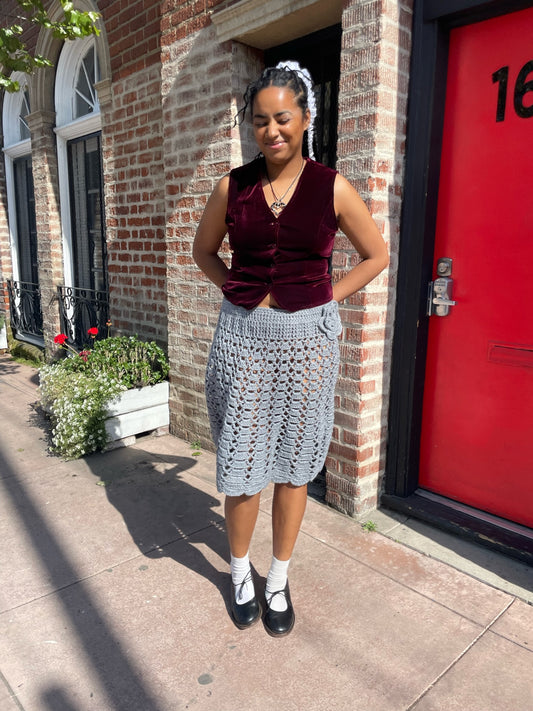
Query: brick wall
[[10, 13], [133, 169], [134, 202], [133, 33], [372, 110], [202, 84]]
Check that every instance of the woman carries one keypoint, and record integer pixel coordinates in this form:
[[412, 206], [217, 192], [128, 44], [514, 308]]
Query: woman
[[274, 360]]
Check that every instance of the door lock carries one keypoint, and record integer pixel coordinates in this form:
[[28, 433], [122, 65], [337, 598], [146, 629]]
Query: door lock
[[440, 290]]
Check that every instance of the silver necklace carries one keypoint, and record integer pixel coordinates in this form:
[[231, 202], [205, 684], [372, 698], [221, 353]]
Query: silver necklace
[[278, 204]]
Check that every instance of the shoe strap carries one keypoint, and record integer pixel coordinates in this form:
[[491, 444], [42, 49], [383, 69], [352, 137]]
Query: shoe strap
[[277, 592], [239, 586]]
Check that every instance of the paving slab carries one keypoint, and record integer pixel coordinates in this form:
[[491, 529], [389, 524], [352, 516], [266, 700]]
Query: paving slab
[[431, 578], [7, 702], [517, 626], [154, 633], [494, 675], [23, 437], [500, 571], [145, 504], [17, 377]]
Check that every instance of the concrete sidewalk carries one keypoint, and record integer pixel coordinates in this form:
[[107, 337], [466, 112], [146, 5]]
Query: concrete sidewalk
[[114, 596]]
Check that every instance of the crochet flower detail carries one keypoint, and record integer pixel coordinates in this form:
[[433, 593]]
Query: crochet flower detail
[[329, 322]]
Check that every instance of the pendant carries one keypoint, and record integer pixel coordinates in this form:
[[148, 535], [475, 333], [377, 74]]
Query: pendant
[[277, 206]]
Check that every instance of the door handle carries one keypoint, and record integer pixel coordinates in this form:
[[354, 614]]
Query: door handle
[[440, 290]]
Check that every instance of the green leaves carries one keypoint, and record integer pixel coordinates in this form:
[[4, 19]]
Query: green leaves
[[14, 56], [133, 362]]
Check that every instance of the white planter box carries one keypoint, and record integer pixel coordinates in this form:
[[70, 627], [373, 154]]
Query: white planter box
[[3, 337], [137, 411]]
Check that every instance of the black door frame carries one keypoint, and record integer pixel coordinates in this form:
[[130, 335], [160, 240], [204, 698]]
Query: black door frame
[[432, 22]]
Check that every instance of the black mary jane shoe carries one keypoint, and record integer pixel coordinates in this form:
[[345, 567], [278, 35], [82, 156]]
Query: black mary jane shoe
[[279, 624], [248, 613]]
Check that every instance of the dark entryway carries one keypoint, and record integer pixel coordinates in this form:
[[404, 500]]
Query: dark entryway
[[320, 53]]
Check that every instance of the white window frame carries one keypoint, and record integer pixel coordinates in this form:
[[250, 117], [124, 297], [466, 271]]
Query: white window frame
[[67, 128], [13, 148]]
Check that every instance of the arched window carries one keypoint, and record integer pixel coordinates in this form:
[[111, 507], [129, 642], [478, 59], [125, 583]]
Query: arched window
[[77, 73], [25, 301], [78, 127], [24, 111], [86, 100], [15, 110]]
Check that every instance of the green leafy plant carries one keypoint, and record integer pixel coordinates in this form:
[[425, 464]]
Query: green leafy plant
[[369, 526], [132, 362], [77, 389], [196, 445], [14, 55]]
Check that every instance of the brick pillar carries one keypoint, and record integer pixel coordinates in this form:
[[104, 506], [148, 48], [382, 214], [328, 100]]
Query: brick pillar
[[372, 118], [49, 239], [203, 82], [134, 198]]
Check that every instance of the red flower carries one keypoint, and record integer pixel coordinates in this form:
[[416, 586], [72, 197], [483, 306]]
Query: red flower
[[60, 339], [84, 355], [93, 332]]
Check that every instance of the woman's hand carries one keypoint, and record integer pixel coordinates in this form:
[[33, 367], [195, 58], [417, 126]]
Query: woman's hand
[[210, 233], [357, 224]]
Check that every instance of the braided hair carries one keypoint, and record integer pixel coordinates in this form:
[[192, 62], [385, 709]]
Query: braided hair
[[291, 76]]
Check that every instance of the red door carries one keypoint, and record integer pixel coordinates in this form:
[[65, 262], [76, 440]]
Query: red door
[[477, 433]]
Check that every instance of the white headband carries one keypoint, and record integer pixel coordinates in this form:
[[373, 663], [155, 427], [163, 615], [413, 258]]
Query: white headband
[[306, 78]]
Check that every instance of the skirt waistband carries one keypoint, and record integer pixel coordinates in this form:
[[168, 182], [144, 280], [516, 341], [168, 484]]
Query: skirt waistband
[[279, 323]]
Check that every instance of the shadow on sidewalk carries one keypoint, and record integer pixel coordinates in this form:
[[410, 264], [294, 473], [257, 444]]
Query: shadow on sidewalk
[[8, 367], [106, 660], [163, 514]]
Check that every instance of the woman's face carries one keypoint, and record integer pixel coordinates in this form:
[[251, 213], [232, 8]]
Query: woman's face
[[278, 124]]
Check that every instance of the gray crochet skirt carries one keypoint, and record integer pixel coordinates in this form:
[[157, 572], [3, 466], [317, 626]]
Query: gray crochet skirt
[[270, 385]]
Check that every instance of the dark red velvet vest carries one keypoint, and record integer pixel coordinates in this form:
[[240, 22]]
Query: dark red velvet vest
[[287, 256]]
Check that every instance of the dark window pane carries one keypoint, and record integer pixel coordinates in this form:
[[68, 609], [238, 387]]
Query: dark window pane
[[26, 224], [88, 236], [86, 99], [24, 111]]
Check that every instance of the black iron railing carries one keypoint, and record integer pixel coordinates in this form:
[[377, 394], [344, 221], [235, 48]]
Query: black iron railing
[[80, 310], [25, 310]]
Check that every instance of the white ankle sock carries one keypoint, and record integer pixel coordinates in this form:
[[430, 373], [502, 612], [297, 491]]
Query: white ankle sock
[[276, 581], [240, 572]]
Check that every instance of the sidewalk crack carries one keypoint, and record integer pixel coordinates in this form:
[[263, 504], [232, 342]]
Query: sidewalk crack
[[459, 657], [11, 693]]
